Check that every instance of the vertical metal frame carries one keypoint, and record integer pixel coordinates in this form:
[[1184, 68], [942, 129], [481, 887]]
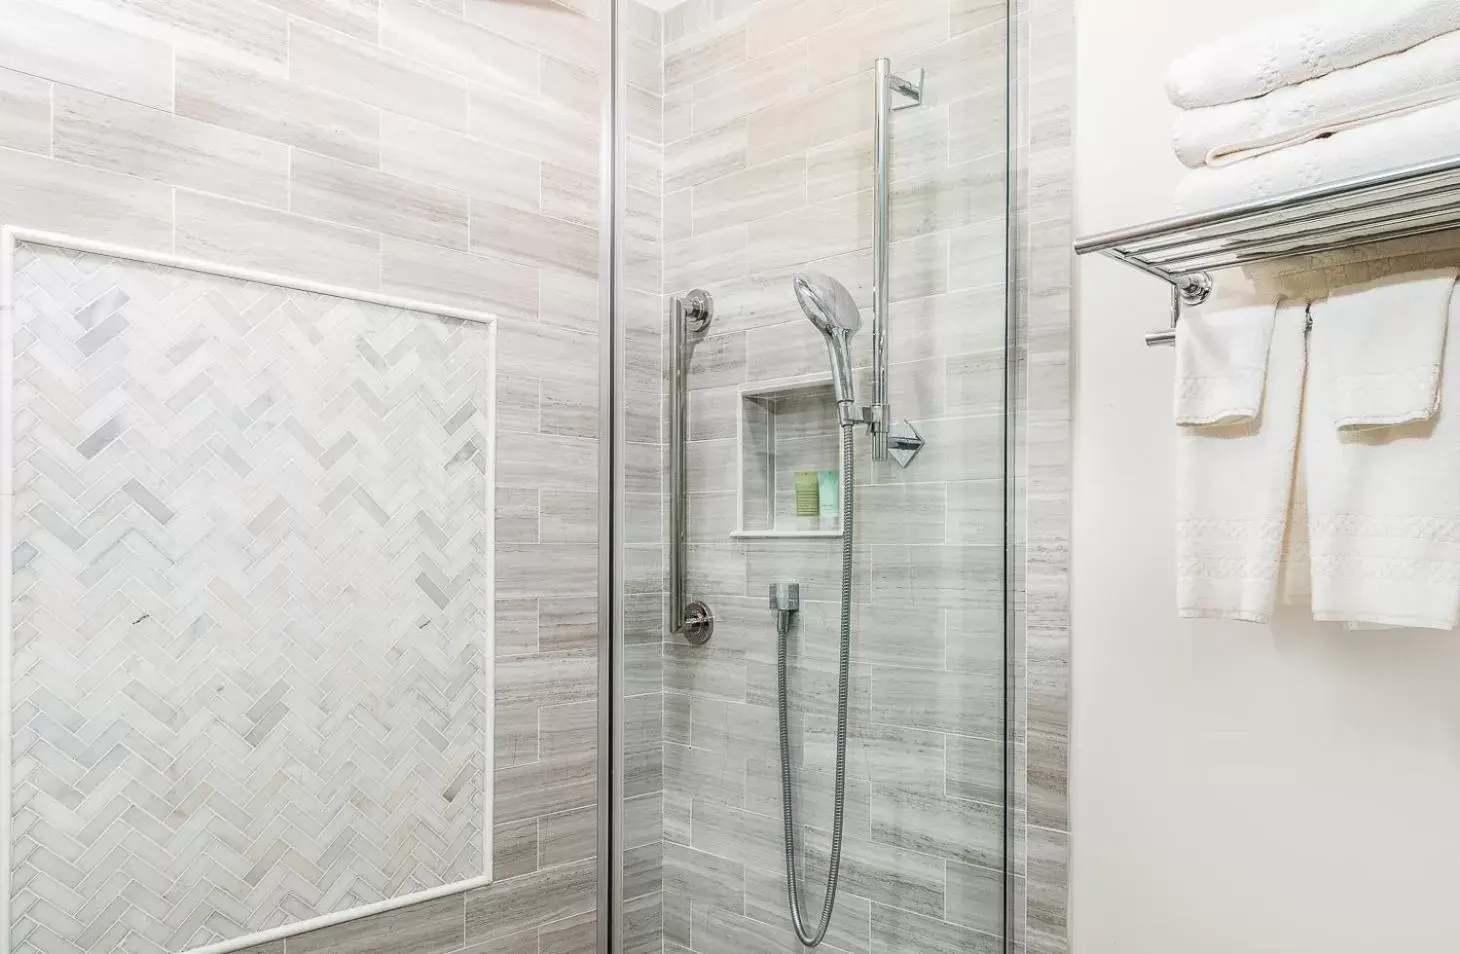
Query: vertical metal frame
[[611, 196], [1014, 381]]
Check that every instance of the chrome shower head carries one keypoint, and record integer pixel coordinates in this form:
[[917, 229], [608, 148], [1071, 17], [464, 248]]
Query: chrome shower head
[[834, 312]]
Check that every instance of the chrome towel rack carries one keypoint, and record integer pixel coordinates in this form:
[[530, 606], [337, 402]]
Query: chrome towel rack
[[1183, 252]]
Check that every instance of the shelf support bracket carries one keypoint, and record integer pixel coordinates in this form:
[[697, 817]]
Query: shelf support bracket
[[1187, 291]]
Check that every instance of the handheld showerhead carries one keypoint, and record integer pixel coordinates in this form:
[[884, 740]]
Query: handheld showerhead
[[834, 312]]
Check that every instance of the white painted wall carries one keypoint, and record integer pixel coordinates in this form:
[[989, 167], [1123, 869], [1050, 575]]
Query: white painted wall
[[1235, 788]]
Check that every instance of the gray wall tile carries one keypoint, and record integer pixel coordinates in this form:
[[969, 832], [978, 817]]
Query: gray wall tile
[[43, 193], [352, 195], [519, 235], [212, 228], [25, 112], [432, 927], [432, 273], [46, 39], [506, 907], [118, 136]]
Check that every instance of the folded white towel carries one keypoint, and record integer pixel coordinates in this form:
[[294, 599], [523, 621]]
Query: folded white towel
[[1384, 504], [1294, 49], [1424, 135], [1221, 362], [1383, 87], [1233, 487], [1383, 341]]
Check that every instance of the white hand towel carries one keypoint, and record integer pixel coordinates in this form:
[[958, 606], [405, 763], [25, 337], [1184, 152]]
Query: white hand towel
[[1384, 341], [1384, 87], [1424, 135], [1221, 362], [1234, 486], [1384, 504], [1291, 50]]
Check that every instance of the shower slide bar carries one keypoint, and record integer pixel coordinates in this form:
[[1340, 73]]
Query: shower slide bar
[[1418, 200], [691, 619]]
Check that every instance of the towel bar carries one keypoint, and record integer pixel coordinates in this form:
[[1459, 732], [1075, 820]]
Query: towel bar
[[1184, 251]]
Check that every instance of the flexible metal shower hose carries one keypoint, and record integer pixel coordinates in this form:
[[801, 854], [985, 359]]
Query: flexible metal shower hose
[[783, 629]]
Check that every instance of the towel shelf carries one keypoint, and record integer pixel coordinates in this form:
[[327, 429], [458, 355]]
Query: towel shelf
[[1418, 200]]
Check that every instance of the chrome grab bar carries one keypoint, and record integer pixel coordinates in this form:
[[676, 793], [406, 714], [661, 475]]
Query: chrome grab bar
[[691, 619]]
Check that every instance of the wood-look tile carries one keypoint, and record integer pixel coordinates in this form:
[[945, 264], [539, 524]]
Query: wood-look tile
[[974, 450], [568, 299], [516, 740], [517, 515], [25, 112], [977, 126], [958, 196], [570, 194], [542, 25], [547, 462], [898, 29], [569, 624], [813, 685], [435, 274], [430, 154], [765, 901], [701, 774], [518, 410], [643, 870], [976, 768], [643, 661], [643, 115], [904, 932], [569, 517], [706, 259], [562, 677], [112, 134], [548, 785], [958, 702], [826, 115], [955, 323], [535, 125], [516, 630], [905, 513], [978, 14], [514, 849], [698, 878], [273, 947], [431, 927], [568, 731], [755, 193], [893, 635], [570, 409], [704, 674], [774, 25], [907, 879], [845, 166], [966, 65], [426, 33], [63, 197], [643, 819], [976, 512], [717, 930], [364, 198], [704, 53], [737, 92], [737, 835], [705, 154], [716, 570], [548, 569], [567, 836], [532, 238], [832, 227], [506, 907], [380, 77], [571, 935], [47, 39], [263, 104], [643, 925], [248, 31], [520, 942], [354, 17]]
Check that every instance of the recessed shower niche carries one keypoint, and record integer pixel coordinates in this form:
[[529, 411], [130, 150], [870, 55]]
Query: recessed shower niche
[[788, 428]]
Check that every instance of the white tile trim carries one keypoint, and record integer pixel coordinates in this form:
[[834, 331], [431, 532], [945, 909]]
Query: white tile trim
[[9, 236]]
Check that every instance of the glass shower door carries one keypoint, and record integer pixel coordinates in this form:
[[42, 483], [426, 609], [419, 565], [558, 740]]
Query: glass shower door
[[748, 158]]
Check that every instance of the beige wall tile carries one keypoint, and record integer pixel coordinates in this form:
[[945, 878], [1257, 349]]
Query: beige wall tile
[[355, 17], [263, 104], [897, 29], [706, 53], [536, 126], [25, 112], [826, 115], [221, 230], [432, 273], [542, 25], [37, 192], [247, 30], [352, 195], [47, 40], [753, 85], [107, 133], [755, 193], [426, 153], [704, 155], [446, 40], [776, 23], [920, 148], [532, 238], [323, 58]]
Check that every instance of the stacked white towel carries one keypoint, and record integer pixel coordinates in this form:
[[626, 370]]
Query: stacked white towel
[[1348, 90]]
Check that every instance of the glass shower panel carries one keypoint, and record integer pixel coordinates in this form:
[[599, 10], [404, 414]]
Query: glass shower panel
[[754, 122]]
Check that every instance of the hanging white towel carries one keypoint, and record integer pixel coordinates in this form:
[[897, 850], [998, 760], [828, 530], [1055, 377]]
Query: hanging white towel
[[1383, 342], [1221, 363], [1424, 135], [1384, 503], [1384, 87], [1291, 50], [1234, 487]]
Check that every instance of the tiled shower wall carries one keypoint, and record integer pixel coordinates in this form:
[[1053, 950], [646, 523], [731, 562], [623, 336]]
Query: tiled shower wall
[[767, 169], [445, 150]]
